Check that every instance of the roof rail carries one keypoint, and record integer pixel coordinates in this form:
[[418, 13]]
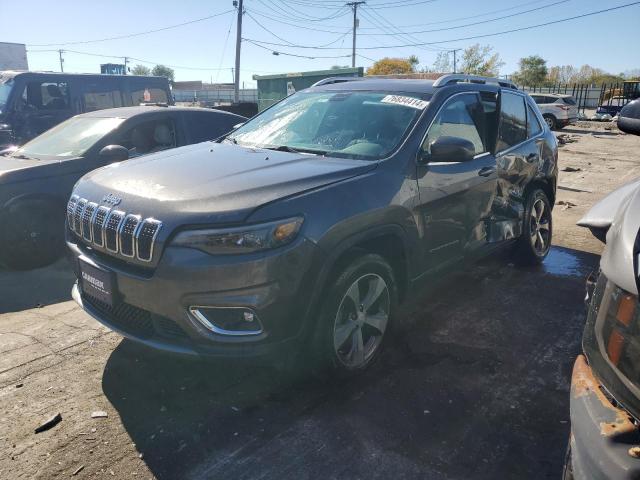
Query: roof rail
[[330, 80], [462, 78]]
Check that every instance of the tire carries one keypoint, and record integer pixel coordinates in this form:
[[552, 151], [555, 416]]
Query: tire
[[534, 243], [32, 235], [355, 316], [551, 121]]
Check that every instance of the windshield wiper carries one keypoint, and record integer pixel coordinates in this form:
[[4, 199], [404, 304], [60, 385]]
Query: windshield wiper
[[287, 148]]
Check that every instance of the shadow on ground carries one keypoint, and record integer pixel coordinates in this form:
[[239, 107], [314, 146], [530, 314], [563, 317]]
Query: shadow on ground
[[603, 133], [473, 384], [21, 290]]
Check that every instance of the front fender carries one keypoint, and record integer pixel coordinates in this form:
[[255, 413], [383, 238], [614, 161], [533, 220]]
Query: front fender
[[601, 216]]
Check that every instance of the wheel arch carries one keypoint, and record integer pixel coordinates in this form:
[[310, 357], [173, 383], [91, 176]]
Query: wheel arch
[[544, 184]]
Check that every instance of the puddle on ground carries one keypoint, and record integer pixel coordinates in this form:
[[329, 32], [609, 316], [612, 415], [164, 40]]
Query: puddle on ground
[[563, 262]]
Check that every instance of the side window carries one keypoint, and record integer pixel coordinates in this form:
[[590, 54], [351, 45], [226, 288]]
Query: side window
[[202, 126], [513, 121], [148, 137], [98, 96], [148, 95], [46, 95], [539, 100], [462, 116], [533, 124]]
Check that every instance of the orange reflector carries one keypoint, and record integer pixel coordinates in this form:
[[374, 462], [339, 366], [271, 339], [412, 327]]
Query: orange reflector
[[614, 347], [626, 309]]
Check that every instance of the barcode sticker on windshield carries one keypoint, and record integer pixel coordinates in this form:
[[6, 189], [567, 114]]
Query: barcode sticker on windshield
[[406, 101]]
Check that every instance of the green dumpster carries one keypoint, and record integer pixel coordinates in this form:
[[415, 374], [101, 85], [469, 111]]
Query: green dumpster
[[273, 88]]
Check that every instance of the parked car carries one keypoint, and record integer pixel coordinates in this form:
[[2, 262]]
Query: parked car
[[557, 110], [303, 229], [605, 386], [37, 178], [33, 102]]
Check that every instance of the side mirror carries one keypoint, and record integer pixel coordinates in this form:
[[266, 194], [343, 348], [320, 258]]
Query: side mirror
[[450, 149], [113, 153]]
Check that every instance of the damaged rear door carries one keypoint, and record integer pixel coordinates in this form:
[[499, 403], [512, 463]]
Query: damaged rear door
[[518, 158]]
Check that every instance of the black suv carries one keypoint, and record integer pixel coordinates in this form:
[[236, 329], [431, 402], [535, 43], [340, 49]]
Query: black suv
[[306, 226]]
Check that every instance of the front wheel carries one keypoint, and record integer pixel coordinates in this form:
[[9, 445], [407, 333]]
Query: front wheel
[[356, 315], [32, 235], [535, 241]]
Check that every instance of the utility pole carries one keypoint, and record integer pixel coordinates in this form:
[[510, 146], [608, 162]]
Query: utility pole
[[354, 6], [455, 63], [126, 61], [61, 60], [236, 80]]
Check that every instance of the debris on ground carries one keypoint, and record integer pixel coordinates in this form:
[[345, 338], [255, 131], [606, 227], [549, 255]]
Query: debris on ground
[[566, 204], [99, 414], [77, 470], [19, 385], [49, 424], [564, 138], [571, 169]]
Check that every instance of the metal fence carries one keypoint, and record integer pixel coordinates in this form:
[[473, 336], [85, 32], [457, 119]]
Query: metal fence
[[212, 97], [587, 96]]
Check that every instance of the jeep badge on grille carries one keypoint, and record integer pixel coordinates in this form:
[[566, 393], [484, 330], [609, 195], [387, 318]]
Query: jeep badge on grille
[[111, 199]]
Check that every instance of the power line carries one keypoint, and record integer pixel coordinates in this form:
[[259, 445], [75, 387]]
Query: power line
[[130, 35], [277, 52], [472, 37], [478, 22]]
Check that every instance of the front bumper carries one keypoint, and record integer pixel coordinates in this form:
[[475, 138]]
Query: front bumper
[[152, 307], [601, 432]]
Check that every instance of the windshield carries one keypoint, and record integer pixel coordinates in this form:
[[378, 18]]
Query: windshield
[[70, 138], [5, 90], [361, 125]]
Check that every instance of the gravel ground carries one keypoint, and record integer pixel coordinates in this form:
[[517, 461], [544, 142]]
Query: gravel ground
[[474, 382]]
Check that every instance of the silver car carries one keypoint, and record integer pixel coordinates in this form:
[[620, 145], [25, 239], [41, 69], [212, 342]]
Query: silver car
[[605, 385], [558, 110]]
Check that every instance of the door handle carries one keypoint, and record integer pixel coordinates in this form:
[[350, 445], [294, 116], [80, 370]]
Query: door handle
[[486, 171]]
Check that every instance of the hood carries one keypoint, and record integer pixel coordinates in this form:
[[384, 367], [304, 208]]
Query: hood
[[211, 182], [14, 169], [618, 214]]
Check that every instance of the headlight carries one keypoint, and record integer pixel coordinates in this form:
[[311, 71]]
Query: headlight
[[230, 241]]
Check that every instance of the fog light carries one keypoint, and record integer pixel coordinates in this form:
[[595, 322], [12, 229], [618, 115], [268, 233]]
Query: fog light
[[228, 320]]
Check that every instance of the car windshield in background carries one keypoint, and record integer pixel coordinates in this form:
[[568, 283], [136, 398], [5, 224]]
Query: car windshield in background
[[360, 125], [5, 90], [69, 139]]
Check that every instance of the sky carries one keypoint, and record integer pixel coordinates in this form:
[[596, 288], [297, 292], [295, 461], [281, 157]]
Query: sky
[[205, 50]]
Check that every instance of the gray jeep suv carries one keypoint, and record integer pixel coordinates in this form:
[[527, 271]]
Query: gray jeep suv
[[304, 228]]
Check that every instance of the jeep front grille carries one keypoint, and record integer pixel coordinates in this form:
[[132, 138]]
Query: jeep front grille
[[125, 234]]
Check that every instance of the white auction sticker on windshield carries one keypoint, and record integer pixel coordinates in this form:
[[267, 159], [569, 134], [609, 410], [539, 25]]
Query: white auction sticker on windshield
[[406, 101]]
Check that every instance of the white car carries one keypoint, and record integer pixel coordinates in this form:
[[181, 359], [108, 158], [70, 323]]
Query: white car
[[557, 109]]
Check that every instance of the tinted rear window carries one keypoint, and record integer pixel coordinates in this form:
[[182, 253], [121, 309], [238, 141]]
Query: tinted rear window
[[569, 100]]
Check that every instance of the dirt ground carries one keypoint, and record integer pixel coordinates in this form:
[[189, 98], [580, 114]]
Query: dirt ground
[[474, 383]]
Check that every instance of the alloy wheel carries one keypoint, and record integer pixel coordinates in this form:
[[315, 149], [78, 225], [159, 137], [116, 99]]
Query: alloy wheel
[[540, 227], [361, 320], [550, 122]]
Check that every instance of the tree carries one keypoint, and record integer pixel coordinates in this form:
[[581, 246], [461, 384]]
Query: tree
[[561, 74], [442, 63], [162, 71], [414, 62], [140, 70], [390, 66], [533, 71], [479, 60]]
